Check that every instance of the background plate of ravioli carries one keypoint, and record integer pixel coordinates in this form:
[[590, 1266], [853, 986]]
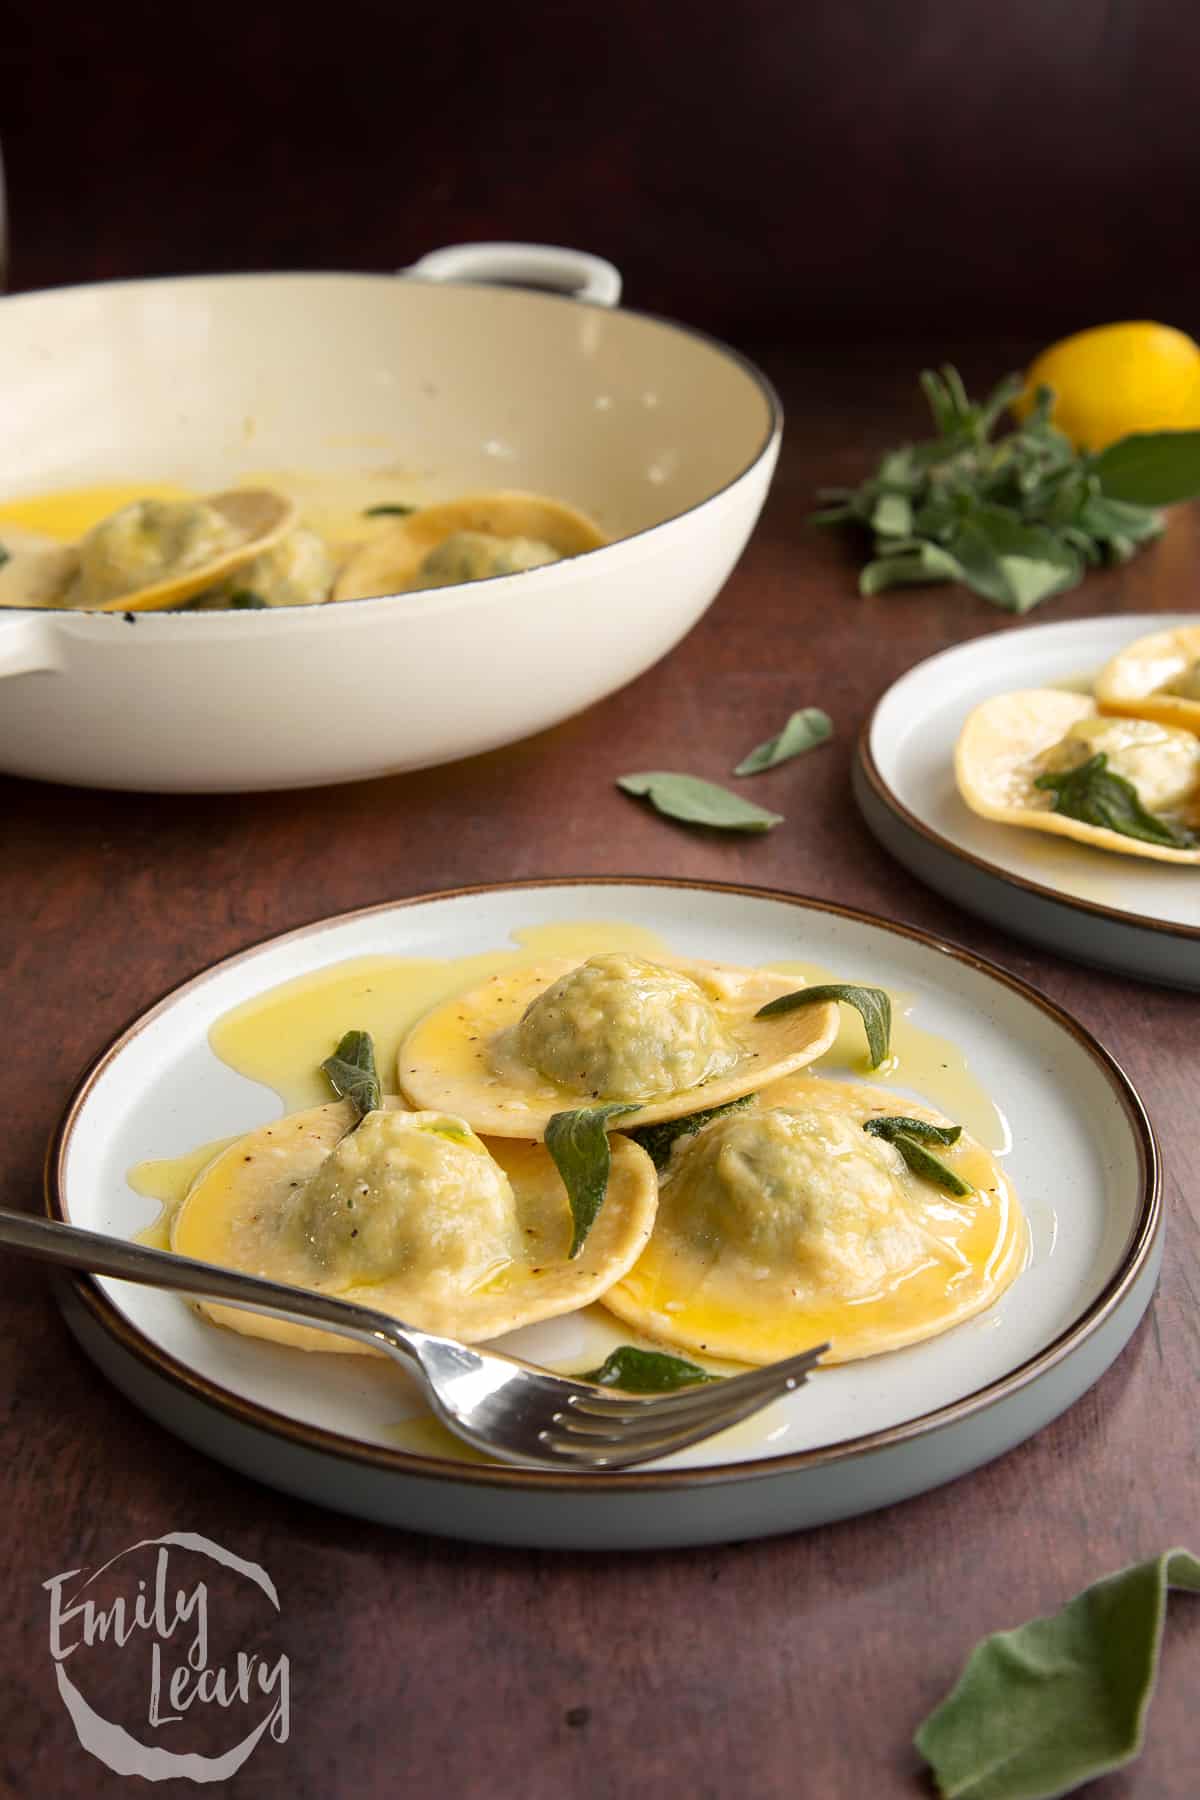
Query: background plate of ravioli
[[1127, 913], [239, 1044]]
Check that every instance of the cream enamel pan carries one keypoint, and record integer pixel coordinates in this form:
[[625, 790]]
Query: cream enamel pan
[[667, 438]]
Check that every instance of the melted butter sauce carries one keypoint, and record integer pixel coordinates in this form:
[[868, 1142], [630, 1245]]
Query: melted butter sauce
[[280, 1038], [921, 1061]]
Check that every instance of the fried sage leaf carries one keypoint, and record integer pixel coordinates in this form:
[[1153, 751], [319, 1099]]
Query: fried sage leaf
[[646, 1371], [1042, 1709], [803, 731], [873, 1004], [909, 1136], [5, 556], [696, 802], [246, 600], [387, 511], [659, 1140], [578, 1142], [1095, 796], [352, 1073]]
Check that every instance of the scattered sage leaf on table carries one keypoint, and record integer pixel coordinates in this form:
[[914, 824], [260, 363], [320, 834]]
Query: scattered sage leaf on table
[[909, 1137], [1092, 794], [1151, 468], [803, 731], [696, 802], [873, 1005], [578, 1142], [659, 1140], [1042, 1709], [386, 511], [646, 1371], [911, 567], [352, 1073]]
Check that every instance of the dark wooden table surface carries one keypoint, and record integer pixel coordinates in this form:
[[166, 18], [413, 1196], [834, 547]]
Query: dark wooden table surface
[[793, 1667]]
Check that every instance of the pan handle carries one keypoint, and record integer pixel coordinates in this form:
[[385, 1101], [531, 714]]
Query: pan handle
[[27, 644], [572, 272]]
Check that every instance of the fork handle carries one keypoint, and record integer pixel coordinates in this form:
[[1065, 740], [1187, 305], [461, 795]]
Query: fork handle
[[70, 1246]]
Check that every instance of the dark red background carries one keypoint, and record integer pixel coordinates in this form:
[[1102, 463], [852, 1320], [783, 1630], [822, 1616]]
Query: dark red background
[[766, 169]]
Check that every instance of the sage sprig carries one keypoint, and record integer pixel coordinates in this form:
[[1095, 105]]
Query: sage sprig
[[578, 1143], [804, 731], [659, 1140], [872, 1004], [1093, 794], [1015, 518], [352, 1074], [1042, 1709], [909, 1137], [696, 802], [647, 1371]]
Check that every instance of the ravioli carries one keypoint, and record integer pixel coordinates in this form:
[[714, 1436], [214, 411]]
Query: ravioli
[[154, 554], [411, 1214], [788, 1225], [665, 1039], [465, 540], [1157, 677], [1009, 741]]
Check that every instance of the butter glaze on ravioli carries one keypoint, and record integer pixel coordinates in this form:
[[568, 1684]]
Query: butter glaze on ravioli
[[410, 1214], [1009, 741], [787, 1225], [669, 1038], [1156, 677]]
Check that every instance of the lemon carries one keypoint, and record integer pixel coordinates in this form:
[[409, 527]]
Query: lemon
[[1115, 379]]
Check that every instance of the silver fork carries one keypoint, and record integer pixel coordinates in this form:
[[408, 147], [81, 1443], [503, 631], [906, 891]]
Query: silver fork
[[510, 1409]]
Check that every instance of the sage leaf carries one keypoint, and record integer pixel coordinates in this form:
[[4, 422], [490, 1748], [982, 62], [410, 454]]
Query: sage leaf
[[803, 731], [910, 568], [646, 1371], [892, 515], [696, 802], [1012, 564], [352, 1074], [873, 1004], [246, 600], [1040, 1710], [658, 1141], [387, 511], [909, 1137], [1095, 796], [578, 1143], [1151, 468], [5, 556]]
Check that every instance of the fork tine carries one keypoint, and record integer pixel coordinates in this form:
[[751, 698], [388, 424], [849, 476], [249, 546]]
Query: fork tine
[[617, 1406], [622, 1450], [625, 1421]]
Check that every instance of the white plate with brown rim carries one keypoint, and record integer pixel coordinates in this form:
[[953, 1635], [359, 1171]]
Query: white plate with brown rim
[[348, 1433], [1127, 913]]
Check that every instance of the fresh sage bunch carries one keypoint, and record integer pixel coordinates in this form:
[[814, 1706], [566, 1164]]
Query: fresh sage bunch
[[659, 1140], [1042, 1709], [1015, 518], [910, 1137], [352, 1074], [1095, 796], [873, 1005], [578, 1143], [646, 1371]]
